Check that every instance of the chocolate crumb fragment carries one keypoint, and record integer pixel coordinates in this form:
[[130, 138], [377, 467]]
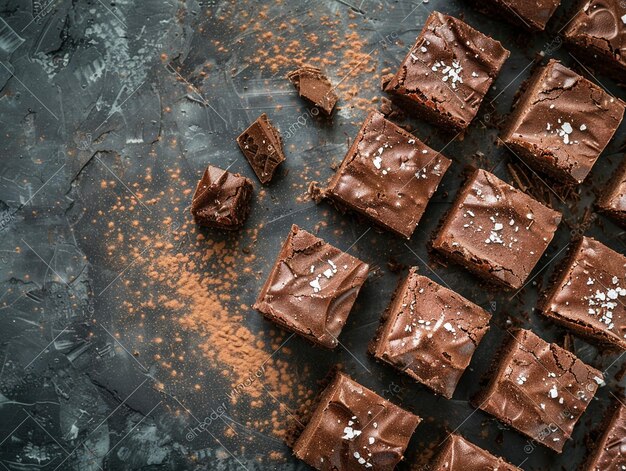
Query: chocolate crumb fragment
[[221, 199], [315, 87], [262, 145]]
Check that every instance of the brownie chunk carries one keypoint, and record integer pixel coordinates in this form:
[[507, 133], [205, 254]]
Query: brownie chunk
[[540, 389], [430, 333], [530, 14], [221, 199], [496, 231], [353, 429], [315, 87], [589, 294], [613, 200], [388, 175], [562, 123], [597, 33], [448, 72], [311, 288], [263, 147], [610, 454], [460, 455]]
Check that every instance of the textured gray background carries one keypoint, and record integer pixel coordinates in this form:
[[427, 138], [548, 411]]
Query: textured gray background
[[83, 89]]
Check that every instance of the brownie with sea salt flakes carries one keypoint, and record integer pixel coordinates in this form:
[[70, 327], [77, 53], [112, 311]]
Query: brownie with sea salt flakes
[[458, 454], [496, 231], [589, 294], [597, 34], [353, 428], [539, 389], [388, 176], [430, 333], [610, 451], [221, 199], [314, 86], [448, 71], [311, 288], [612, 202], [262, 146], [562, 123]]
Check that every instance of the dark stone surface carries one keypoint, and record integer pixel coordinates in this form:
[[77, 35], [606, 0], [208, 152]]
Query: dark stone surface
[[93, 91]]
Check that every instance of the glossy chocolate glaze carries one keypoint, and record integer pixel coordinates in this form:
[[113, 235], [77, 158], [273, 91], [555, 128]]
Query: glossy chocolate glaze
[[460, 455], [354, 429], [613, 200], [540, 389], [496, 231], [590, 293], [610, 451], [221, 199], [311, 288], [562, 123], [448, 71], [430, 333], [598, 30], [388, 175], [262, 146], [315, 87]]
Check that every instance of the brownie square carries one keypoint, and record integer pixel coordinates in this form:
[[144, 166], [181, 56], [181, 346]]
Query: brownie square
[[562, 123], [460, 455], [610, 452], [496, 231], [613, 200], [354, 428], [448, 71], [312, 287], [314, 86], [540, 389], [388, 175], [589, 294], [530, 14], [597, 33], [221, 199], [430, 333], [262, 145]]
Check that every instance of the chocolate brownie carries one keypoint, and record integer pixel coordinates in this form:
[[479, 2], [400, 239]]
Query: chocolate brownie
[[312, 287], [430, 333], [262, 145], [458, 454], [353, 429], [315, 87], [613, 200], [496, 231], [610, 451], [562, 123], [388, 175], [448, 71], [530, 14]]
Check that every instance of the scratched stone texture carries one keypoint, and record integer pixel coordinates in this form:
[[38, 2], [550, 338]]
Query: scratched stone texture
[[94, 91]]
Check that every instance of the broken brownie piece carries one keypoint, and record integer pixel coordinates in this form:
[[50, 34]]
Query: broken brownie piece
[[221, 199], [496, 231], [589, 294], [430, 333], [312, 287], [562, 123], [315, 87], [448, 71], [262, 146], [539, 389], [610, 452], [613, 200], [458, 454], [597, 34], [388, 176], [353, 429]]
